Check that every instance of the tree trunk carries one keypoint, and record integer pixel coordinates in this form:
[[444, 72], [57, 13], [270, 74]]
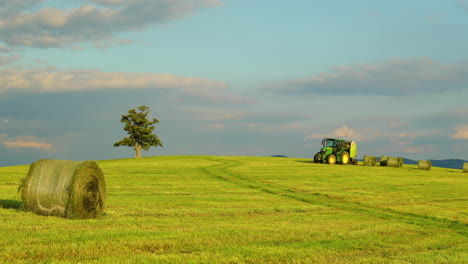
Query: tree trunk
[[138, 151]]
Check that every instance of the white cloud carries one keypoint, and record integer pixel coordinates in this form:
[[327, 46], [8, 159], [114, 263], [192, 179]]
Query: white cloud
[[208, 95], [278, 128], [51, 27], [4, 49], [343, 132], [461, 132], [242, 116], [12, 7], [51, 79], [211, 115], [397, 77], [7, 56], [4, 60], [419, 150], [213, 127], [406, 135], [346, 132], [27, 142]]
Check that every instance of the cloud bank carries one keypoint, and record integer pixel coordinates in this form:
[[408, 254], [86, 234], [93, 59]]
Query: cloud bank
[[52, 27], [397, 77], [53, 79]]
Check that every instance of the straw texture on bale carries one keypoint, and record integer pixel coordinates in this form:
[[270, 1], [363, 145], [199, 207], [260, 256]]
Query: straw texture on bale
[[424, 164], [465, 167], [369, 160], [392, 162], [70, 189], [401, 162]]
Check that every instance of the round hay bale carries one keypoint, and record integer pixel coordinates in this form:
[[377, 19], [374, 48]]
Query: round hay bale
[[394, 162], [383, 160], [365, 160], [465, 167], [369, 160], [400, 162], [70, 189], [424, 164]]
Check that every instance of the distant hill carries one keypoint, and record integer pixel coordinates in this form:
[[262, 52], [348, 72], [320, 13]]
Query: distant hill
[[448, 163], [280, 156]]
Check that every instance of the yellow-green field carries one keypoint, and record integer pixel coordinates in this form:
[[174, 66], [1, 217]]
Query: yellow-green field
[[209, 209]]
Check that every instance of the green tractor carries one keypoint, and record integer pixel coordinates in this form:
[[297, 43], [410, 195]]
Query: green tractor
[[337, 151]]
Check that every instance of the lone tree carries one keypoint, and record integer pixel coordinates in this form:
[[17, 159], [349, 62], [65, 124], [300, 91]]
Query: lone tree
[[140, 130]]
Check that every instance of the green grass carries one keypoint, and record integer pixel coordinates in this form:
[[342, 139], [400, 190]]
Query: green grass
[[208, 209]]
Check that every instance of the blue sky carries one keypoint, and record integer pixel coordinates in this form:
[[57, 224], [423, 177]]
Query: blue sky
[[234, 77]]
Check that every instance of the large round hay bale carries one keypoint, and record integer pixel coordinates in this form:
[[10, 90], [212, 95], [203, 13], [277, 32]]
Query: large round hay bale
[[70, 189], [424, 164], [369, 160], [465, 167], [394, 162]]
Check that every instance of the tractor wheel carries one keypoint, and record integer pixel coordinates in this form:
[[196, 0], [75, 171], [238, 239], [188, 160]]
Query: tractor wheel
[[316, 159], [344, 157], [331, 159]]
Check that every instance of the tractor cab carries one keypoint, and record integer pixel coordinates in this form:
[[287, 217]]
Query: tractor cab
[[329, 143]]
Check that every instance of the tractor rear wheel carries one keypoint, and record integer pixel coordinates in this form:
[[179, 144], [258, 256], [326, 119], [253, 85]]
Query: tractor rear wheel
[[331, 159], [344, 157]]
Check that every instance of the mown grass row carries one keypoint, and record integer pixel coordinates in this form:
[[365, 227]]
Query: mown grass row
[[222, 171], [205, 209]]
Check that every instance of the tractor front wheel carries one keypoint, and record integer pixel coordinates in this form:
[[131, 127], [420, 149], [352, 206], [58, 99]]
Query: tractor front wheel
[[331, 159], [344, 157], [317, 159]]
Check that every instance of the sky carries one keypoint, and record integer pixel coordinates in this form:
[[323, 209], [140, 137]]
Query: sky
[[234, 77]]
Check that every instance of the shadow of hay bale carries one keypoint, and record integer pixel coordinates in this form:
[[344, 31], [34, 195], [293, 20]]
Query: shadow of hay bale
[[10, 204]]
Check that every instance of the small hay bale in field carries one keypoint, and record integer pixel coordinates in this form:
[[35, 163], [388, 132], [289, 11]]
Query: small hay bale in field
[[394, 162], [424, 164], [465, 167], [70, 189], [369, 160]]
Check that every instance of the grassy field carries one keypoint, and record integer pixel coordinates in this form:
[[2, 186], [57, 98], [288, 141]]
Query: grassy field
[[209, 209]]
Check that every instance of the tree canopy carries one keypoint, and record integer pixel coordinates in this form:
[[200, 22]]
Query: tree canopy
[[139, 130]]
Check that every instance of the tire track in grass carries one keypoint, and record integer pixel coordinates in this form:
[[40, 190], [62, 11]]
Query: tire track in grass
[[221, 172]]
